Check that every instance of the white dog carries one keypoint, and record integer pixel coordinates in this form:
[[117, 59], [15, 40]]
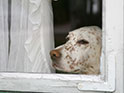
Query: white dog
[[81, 53]]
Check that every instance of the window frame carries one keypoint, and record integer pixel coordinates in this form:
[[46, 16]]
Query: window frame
[[36, 82]]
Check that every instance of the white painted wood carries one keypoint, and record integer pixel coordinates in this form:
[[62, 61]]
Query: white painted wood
[[41, 82], [118, 16]]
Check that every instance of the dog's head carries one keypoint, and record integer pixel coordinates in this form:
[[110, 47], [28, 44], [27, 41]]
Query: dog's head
[[81, 53]]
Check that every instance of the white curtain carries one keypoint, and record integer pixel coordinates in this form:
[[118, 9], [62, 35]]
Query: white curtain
[[30, 36], [3, 34]]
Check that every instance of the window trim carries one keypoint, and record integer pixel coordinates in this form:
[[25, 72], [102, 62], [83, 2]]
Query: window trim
[[58, 83]]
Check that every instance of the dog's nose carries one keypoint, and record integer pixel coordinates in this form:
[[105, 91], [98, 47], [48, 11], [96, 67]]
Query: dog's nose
[[55, 54]]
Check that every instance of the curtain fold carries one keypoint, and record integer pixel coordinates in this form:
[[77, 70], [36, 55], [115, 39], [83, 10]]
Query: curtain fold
[[18, 33], [25, 46], [41, 40], [3, 34]]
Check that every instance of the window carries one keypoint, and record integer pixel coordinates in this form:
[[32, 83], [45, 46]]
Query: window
[[68, 16], [37, 82]]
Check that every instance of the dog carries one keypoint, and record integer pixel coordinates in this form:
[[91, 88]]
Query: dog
[[81, 53]]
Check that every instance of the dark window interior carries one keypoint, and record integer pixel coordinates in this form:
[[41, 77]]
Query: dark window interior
[[73, 14]]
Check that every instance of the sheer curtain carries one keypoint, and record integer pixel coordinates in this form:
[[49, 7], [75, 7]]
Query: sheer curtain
[[26, 45], [3, 34]]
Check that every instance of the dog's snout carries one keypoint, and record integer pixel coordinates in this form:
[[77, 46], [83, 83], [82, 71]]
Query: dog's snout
[[55, 54]]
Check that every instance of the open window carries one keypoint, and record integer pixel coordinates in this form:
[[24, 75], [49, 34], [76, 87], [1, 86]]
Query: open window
[[38, 82], [70, 36]]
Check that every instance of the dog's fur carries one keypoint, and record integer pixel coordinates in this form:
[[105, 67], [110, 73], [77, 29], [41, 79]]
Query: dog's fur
[[81, 53]]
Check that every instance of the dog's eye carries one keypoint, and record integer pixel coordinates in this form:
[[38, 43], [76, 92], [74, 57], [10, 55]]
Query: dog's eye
[[83, 41]]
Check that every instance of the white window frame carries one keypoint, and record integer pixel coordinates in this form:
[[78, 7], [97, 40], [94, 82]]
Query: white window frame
[[76, 83]]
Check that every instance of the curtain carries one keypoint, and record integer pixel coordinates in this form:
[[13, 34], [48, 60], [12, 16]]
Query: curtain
[[3, 34], [27, 40]]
